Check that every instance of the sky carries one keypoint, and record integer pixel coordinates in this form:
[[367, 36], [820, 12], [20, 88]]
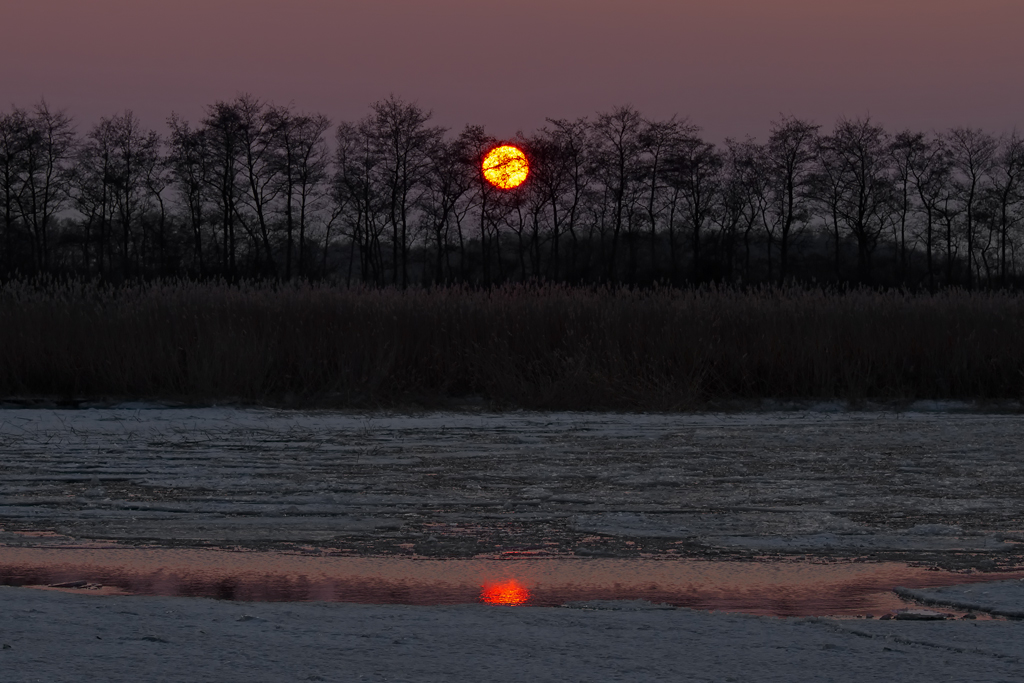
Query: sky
[[730, 66]]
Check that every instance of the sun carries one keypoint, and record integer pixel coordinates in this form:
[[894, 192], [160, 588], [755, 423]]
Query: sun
[[506, 167]]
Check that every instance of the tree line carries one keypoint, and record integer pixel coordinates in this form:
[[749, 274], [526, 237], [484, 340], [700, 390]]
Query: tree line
[[259, 191]]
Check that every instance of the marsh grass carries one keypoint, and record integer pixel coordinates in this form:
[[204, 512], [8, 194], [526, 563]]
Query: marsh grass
[[531, 347]]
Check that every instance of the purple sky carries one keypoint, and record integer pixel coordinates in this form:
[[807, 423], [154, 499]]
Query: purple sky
[[730, 65]]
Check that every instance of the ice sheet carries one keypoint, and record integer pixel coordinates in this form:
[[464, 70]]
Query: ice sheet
[[1001, 598], [73, 639], [901, 485]]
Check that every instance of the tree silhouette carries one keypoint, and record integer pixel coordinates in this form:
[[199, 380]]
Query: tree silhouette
[[253, 190]]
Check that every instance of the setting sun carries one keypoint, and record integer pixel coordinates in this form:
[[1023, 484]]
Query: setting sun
[[510, 592], [506, 167]]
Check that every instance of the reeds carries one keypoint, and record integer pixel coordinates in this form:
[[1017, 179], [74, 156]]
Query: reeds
[[546, 347]]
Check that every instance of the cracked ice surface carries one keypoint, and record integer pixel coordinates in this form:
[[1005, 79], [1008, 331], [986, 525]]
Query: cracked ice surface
[[1001, 598], [926, 484], [71, 639]]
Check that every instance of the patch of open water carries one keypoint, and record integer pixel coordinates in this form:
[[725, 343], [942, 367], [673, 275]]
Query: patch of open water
[[770, 587]]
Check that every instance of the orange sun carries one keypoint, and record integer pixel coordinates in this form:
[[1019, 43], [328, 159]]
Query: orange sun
[[506, 167], [510, 592]]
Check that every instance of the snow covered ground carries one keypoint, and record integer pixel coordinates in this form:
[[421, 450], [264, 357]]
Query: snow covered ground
[[56, 637], [938, 486]]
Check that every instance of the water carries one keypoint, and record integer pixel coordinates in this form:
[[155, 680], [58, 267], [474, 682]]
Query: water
[[375, 508], [777, 588], [938, 488]]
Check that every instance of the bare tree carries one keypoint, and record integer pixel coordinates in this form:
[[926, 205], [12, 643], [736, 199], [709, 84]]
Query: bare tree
[[156, 179], [973, 154], [44, 177], [14, 141], [223, 135], [303, 159], [564, 150], [92, 178], [616, 159], [743, 192], [191, 168], [861, 149], [136, 153], [950, 212], [928, 164], [475, 143], [664, 146], [444, 204], [695, 167], [1008, 188], [828, 187], [257, 140], [403, 141], [791, 161], [357, 193], [905, 151], [256, 192]]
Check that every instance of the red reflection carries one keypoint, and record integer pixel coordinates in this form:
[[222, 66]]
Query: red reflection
[[777, 588], [510, 592]]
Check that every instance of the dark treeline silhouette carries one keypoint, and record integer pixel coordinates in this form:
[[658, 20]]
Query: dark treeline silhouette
[[258, 191]]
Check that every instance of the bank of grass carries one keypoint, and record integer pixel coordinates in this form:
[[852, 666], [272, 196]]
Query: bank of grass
[[540, 347]]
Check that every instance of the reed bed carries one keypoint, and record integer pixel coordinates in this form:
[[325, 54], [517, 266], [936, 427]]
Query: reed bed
[[548, 347]]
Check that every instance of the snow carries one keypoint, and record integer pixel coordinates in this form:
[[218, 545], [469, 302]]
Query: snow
[[936, 483], [71, 638]]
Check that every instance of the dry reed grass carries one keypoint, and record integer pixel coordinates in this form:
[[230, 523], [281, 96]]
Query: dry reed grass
[[545, 348]]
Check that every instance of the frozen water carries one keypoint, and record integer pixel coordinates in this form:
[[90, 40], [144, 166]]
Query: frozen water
[[1002, 598], [71, 639], [776, 588], [943, 486]]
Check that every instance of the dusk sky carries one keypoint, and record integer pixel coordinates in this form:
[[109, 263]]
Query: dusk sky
[[731, 66]]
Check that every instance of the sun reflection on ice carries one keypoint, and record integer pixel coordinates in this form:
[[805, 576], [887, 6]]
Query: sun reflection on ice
[[509, 592]]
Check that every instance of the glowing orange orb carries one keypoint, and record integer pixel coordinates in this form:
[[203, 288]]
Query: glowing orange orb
[[510, 592], [506, 167]]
